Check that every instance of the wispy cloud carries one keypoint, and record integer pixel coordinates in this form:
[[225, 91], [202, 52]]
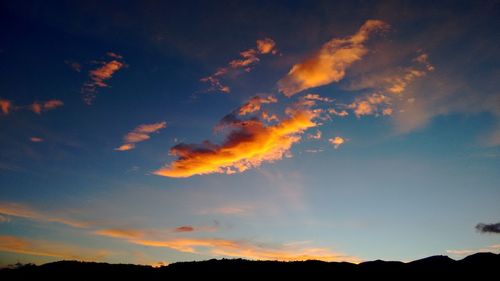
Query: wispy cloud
[[466, 252], [255, 103], [39, 107], [488, 228], [246, 62], [329, 64], [315, 136], [36, 139], [248, 144], [337, 141], [14, 244], [25, 211], [7, 106], [139, 134], [236, 248], [98, 77]]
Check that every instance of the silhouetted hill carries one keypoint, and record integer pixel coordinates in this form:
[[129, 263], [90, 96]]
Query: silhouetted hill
[[483, 265]]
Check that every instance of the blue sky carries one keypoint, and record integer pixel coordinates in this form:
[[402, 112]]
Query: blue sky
[[384, 142]]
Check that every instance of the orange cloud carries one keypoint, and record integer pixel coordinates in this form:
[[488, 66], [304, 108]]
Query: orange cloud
[[266, 46], [465, 252], [371, 105], [248, 58], [139, 134], [337, 141], [254, 104], [329, 64], [23, 211], [39, 107], [120, 233], [248, 144], [99, 76], [5, 106], [36, 139], [58, 250], [234, 248]]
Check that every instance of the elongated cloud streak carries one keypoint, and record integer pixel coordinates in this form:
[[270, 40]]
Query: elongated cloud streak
[[234, 248], [98, 77], [329, 64], [248, 59], [139, 134], [23, 211], [249, 144], [488, 228], [36, 247], [39, 107]]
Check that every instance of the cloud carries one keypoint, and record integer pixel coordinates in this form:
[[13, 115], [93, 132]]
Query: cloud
[[139, 134], [36, 139], [373, 104], [254, 104], [98, 77], [44, 248], [76, 66], [246, 62], [488, 228], [237, 248], [337, 141], [329, 64], [248, 144], [315, 136], [266, 46], [5, 106], [184, 228], [39, 107], [340, 113], [317, 97], [23, 211], [467, 252]]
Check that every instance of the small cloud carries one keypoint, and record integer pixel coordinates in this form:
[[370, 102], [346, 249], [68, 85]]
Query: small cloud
[[39, 107], [184, 228], [98, 77], [254, 104], [340, 113], [488, 228], [247, 60], [371, 105], [5, 106], [329, 64], [315, 136], [36, 139], [76, 66], [317, 97], [139, 134], [337, 141]]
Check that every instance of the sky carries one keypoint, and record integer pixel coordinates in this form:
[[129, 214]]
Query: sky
[[153, 132]]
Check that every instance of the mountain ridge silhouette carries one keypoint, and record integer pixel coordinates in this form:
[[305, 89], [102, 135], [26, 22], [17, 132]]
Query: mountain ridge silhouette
[[442, 267]]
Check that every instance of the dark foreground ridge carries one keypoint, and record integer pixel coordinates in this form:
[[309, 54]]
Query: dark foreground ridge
[[478, 265]]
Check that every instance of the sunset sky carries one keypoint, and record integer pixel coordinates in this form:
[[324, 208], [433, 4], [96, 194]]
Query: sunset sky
[[152, 132]]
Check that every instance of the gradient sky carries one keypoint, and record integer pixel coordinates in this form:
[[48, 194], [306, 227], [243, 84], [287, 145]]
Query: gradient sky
[[151, 132]]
